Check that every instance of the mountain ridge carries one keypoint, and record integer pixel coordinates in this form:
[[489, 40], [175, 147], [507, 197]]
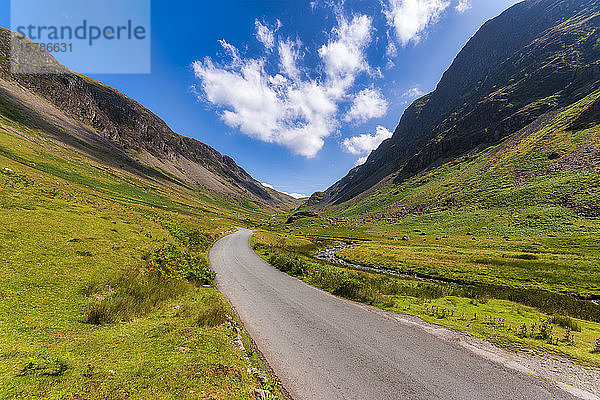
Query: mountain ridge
[[117, 124], [535, 57]]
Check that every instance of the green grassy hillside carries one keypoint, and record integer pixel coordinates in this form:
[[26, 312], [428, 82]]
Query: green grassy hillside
[[552, 165], [105, 288]]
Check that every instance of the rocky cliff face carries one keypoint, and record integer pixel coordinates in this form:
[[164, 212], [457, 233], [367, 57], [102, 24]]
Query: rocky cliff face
[[536, 57], [128, 127]]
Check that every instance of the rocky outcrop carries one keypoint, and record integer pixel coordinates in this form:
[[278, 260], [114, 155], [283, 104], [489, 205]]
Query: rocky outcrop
[[300, 215]]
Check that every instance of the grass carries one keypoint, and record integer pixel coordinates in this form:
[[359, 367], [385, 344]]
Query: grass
[[132, 295], [479, 310], [105, 284]]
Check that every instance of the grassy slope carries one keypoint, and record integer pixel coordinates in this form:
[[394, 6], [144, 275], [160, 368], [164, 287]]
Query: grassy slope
[[69, 224]]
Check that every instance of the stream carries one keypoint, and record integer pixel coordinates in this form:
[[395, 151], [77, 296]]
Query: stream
[[329, 255]]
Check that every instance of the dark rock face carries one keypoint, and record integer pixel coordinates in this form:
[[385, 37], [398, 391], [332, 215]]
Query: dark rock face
[[136, 130], [537, 56], [300, 215]]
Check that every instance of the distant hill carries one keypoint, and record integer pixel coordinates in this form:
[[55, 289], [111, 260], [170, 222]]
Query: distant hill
[[112, 128], [526, 84]]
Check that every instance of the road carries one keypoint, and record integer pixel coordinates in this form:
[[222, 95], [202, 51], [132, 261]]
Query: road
[[327, 348]]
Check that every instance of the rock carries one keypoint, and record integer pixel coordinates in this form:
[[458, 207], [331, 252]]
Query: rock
[[405, 237], [183, 349], [262, 393], [260, 375], [537, 244], [238, 343]]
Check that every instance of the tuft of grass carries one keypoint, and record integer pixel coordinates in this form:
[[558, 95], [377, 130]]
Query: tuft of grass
[[213, 313], [133, 295], [566, 322]]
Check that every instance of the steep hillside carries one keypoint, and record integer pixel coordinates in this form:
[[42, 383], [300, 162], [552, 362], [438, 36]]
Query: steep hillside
[[553, 162], [530, 62], [108, 126]]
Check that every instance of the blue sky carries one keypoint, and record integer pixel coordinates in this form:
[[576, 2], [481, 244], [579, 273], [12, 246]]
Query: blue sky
[[296, 92]]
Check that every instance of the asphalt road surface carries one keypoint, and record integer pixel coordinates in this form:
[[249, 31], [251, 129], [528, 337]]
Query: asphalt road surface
[[327, 348]]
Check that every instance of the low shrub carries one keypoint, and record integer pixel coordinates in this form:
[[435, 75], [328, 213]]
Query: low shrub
[[171, 262], [44, 363]]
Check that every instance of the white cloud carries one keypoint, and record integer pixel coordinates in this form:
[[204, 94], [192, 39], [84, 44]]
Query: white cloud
[[231, 50], [367, 104], [391, 50], [463, 6], [364, 144], [283, 107], [294, 195], [413, 93], [343, 55], [288, 58], [411, 18], [361, 161], [265, 35]]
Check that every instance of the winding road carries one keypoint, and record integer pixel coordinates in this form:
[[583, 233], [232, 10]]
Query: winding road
[[327, 348]]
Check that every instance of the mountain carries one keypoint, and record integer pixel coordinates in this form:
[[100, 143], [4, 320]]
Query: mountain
[[514, 75], [112, 128]]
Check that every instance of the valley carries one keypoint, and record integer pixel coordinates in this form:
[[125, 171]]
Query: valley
[[462, 257]]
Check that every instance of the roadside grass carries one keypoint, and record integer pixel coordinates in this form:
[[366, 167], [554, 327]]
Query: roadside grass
[[471, 309], [543, 248], [561, 265], [90, 306]]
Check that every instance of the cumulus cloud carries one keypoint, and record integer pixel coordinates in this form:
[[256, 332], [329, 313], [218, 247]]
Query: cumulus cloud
[[367, 104], [411, 18], [284, 107], [365, 144], [463, 5], [344, 54]]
